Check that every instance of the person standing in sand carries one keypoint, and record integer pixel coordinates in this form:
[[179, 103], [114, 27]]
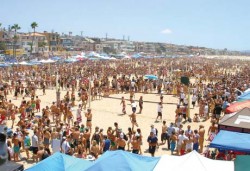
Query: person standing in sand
[[16, 147], [159, 110], [123, 106], [120, 142], [140, 104], [163, 133], [133, 120], [201, 137], [136, 144], [38, 104], [79, 114], [88, 115]]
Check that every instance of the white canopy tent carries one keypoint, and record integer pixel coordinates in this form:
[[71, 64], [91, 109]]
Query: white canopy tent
[[192, 161], [47, 61]]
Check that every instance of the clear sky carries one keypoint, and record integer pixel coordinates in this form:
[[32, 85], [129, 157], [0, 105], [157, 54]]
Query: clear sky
[[209, 23]]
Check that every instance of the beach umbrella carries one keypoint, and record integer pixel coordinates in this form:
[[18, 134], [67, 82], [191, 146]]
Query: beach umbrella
[[151, 77]]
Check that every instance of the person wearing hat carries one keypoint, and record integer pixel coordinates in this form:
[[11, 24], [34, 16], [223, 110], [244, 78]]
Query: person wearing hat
[[120, 142]]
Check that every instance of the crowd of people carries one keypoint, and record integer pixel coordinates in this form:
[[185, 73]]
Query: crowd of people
[[67, 126]]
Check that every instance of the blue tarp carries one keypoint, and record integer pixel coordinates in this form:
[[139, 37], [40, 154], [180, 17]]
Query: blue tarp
[[123, 161], [245, 95], [227, 140], [60, 162]]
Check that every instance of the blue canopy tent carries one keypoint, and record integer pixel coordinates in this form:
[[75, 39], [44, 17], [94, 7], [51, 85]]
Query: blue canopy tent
[[235, 141], [56, 58], [3, 65], [123, 161], [151, 77], [245, 95], [60, 162]]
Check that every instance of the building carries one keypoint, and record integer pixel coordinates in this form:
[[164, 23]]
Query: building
[[40, 43], [53, 40]]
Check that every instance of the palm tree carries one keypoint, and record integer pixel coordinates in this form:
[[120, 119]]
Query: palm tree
[[33, 26], [15, 27], [42, 45]]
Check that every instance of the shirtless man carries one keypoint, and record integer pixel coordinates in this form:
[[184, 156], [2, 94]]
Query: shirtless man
[[16, 148], [112, 137], [88, 115], [40, 153], [69, 116], [121, 143], [84, 98], [86, 135], [136, 144], [94, 150], [201, 137], [75, 135], [212, 131], [123, 106], [58, 114], [10, 107], [46, 138], [164, 133], [53, 110], [133, 120], [55, 134]]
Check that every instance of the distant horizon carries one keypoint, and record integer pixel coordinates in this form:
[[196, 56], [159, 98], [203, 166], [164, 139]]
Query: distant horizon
[[209, 23]]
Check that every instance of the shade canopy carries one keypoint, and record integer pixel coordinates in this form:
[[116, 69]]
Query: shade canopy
[[47, 61], [242, 163], [60, 162], [235, 141], [237, 106], [245, 95], [237, 122], [192, 161], [123, 161]]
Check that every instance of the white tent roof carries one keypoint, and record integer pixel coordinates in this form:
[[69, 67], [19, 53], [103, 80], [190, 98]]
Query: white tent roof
[[47, 61], [192, 161], [23, 63]]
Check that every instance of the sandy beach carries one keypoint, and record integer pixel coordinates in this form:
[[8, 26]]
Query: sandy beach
[[106, 111]]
